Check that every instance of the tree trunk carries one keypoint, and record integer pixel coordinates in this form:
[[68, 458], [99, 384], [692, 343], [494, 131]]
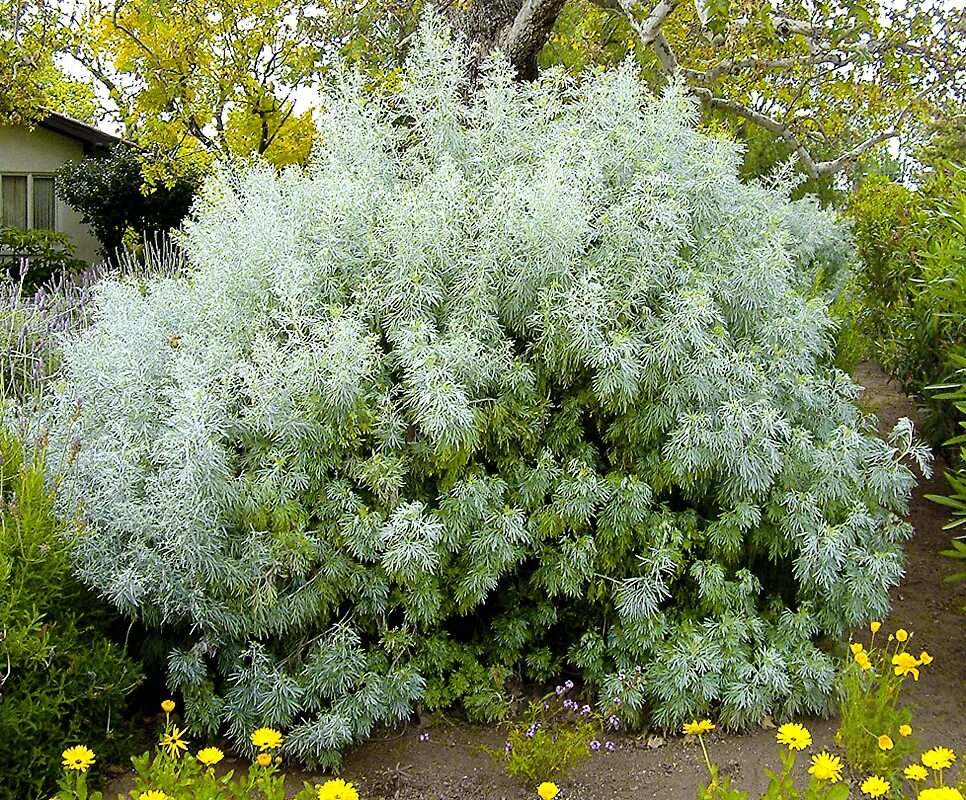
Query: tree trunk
[[519, 28]]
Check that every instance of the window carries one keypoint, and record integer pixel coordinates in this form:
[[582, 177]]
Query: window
[[27, 201]]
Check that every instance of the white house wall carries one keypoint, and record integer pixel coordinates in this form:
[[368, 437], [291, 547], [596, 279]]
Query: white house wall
[[42, 151]]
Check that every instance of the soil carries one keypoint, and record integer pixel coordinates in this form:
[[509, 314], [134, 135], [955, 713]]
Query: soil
[[398, 765]]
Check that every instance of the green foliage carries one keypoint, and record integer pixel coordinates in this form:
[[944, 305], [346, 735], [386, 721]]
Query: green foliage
[[553, 735], [36, 255], [64, 679], [111, 196], [528, 372], [912, 284], [871, 707]]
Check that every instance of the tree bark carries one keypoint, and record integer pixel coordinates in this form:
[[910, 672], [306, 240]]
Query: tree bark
[[519, 28]]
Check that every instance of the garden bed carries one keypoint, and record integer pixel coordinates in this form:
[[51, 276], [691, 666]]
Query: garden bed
[[402, 765]]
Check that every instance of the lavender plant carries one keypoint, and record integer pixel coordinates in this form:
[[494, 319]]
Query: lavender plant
[[508, 379]]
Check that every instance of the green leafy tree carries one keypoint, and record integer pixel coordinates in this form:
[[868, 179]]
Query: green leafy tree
[[526, 374], [827, 79], [198, 81], [31, 35], [111, 196]]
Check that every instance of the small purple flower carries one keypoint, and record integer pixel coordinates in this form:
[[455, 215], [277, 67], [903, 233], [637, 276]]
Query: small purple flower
[[509, 747], [622, 677], [610, 747], [424, 737], [617, 701], [568, 685], [546, 706], [614, 721], [585, 710], [568, 703], [594, 744], [560, 690], [532, 730]]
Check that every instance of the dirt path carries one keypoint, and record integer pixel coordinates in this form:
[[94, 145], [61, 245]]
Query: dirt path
[[398, 766]]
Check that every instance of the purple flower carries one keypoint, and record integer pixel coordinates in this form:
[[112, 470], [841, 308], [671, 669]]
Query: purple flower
[[560, 690], [509, 747], [614, 721], [594, 744], [568, 703], [585, 710], [610, 747], [569, 685], [622, 677], [424, 737]]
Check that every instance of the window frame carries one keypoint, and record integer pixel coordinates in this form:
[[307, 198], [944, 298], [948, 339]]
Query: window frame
[[30, 197]]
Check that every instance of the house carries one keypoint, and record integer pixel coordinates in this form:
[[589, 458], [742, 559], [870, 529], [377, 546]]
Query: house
[[28, 159]]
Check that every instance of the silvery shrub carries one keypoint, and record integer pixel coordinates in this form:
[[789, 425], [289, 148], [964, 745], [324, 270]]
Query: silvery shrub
[[513, 378]]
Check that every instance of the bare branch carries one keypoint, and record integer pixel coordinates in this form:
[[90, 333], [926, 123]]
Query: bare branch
[[650, 28]]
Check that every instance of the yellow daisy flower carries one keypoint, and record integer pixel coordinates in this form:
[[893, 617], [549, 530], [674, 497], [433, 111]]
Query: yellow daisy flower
[[905, 664], [886, 743], [337, 789], [174, 742], [210, 756], [167, 706], [901, 635], [915, 772], [940, 793], [548, 791], [856, 648], [264, 759], [905, 730], [938, 758], [924, 658], [874, 786], [696, 727], [874, 626], [863, 661], [153, 794], [794, 736], [78, 758], [267, 739], [826, 767]]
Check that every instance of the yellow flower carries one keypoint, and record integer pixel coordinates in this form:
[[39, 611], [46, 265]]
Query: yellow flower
[[548, 791], [264, 759], [901, 635], [153, 794], [915, 772], [795, 736], [874, 786], [693, 728], [337, 789], [78, 758], [938, 758], [924, 658], [267, 739], [210, 756], [856, 648], [874, 626], [863, 661], [826, 767], [885, 743], [941, 793], [905, 730], [173, 742], [167, 706], [905, 663]]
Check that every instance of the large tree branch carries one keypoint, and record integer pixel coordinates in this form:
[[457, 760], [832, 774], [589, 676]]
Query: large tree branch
[[528, 32], [648, 29]]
